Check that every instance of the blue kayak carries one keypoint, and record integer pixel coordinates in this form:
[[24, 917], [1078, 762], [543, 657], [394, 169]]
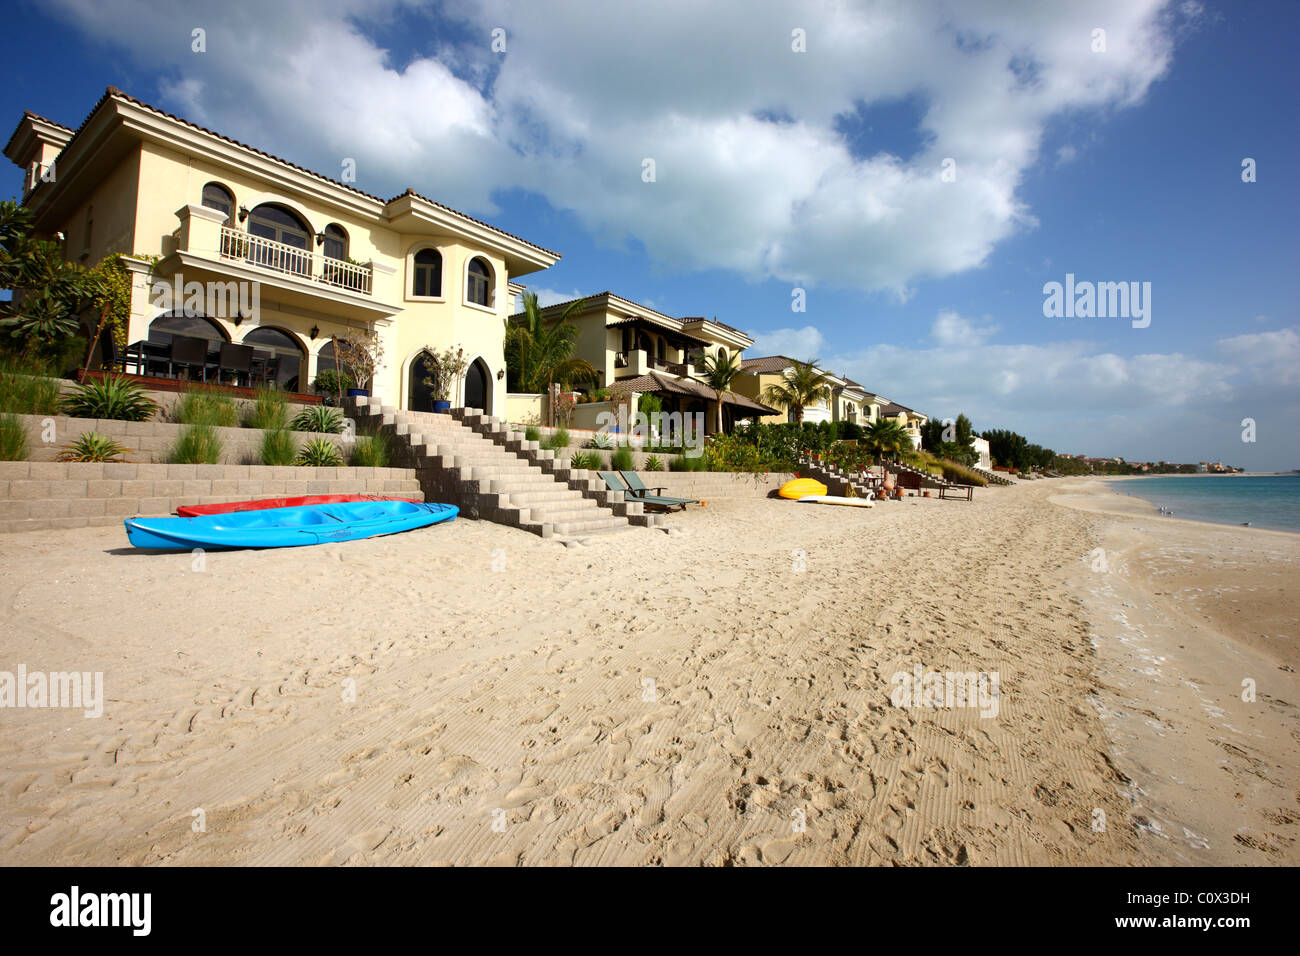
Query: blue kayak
[[287, 527]]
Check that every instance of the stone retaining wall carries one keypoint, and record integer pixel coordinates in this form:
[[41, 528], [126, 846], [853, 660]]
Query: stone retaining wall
[[148, 442], [38, 495]]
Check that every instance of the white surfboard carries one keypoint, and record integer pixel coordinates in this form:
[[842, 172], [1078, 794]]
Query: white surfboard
[[837, 500]]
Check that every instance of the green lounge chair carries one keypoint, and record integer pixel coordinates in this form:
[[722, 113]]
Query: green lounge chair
[[636, 487]]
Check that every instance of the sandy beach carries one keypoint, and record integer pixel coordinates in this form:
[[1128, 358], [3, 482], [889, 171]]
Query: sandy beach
[[469, 694]]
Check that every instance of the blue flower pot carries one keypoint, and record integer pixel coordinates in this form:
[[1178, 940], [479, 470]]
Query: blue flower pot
[[358, 393], [442, 408]]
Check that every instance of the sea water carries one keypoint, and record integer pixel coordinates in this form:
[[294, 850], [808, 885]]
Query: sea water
[[1266, 501]]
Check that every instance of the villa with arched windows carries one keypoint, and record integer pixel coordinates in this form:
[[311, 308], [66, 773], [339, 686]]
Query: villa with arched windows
[[295, 258]]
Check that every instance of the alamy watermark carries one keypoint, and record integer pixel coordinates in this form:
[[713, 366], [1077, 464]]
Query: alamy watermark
[[946, 689], [674, 428], [77, 689], [1100, 300], [230, 299]]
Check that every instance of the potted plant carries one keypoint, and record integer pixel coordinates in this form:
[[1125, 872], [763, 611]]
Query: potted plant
[[442, 368], [358, 354]]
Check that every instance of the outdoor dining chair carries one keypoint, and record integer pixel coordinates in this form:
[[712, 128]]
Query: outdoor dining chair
[[188, 352]]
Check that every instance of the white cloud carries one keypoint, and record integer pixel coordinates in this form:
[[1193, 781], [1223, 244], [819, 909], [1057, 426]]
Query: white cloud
[[806, 343], [586, 91], [954, 331]]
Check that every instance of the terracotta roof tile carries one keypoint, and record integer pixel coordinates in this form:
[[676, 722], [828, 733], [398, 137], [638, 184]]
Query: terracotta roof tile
[[113, 91]]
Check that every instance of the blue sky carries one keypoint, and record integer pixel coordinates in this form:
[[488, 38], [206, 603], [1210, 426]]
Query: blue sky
[[820, 170]]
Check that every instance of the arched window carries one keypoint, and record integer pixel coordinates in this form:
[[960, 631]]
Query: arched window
[[335, 243], [218, 197], [279, 356], [722, 355], [280, 225], [427, 273], [478, 288]]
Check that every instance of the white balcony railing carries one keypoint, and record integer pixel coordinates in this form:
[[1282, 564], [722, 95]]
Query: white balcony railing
[[282, 257]]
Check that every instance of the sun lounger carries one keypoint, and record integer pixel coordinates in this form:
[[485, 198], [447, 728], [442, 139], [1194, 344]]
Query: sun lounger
[[631, 484]]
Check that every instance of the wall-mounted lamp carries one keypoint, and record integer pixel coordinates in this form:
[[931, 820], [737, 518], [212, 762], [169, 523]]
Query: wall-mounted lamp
[[243, 213], [315, 331], [501, 373], [320, 238], [239, 318]]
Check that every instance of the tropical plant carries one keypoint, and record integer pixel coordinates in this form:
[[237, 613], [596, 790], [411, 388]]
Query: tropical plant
[[92, 446], [27, 389], [688, 463], [196, 445], [442, 368], [803, 385], [887, 438], [539, 351], [114, 397], [358, 354], [588, 460], [558, 439], [318, 418], [13, 438], [718, 375], [531, 433], [602, 440], [622, 460], [653, 463], [319, 453], [54, 289], [268, 411], [370, 451], [278, 447], [197, 407]]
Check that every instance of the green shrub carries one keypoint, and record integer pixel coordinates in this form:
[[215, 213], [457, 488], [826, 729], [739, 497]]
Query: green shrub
[[205, 408], [318, 418], [278, 447], [585, 459], [370, 451], [653, 464], [117, 398], [26, 389], [677, 463], [197, 445], [319, 453], [531, 433], [558, 439], [93, 446], [13, 438], [327, 381], [267, 412], [622, 460]]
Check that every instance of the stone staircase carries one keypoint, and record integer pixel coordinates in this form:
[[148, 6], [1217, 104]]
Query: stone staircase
[[992, 477], [491, 472]]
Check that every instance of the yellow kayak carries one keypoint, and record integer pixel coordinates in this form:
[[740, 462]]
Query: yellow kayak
[[801, 487]]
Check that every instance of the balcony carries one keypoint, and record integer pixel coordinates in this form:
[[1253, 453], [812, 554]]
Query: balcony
[[207, 249], [281, 257]]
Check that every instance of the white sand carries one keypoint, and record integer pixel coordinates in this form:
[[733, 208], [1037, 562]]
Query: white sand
[[523, 697]]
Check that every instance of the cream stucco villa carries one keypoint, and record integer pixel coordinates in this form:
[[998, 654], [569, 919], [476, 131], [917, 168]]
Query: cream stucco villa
[[849, 401], [638, 350], [324, 257]]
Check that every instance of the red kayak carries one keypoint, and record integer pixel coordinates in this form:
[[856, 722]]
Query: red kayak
[[194, 511]]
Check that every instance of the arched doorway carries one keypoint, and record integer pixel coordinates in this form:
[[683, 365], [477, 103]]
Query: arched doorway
[[478, 388], [420, 395], [280, 357]]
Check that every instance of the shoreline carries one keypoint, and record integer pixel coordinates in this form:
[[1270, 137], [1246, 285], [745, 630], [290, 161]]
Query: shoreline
[[1108, 479], [1211, 776]]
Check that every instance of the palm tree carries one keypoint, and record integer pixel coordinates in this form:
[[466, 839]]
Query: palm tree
[[540, 351], [718, 374], [804, 385], [887, 438]]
